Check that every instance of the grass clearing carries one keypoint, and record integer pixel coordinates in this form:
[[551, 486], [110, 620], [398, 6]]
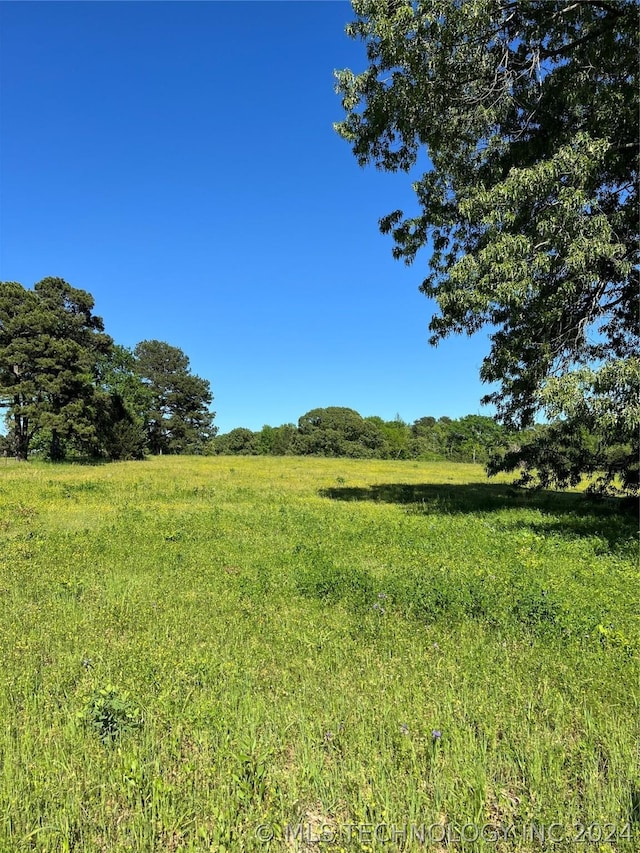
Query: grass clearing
[[197, 647]]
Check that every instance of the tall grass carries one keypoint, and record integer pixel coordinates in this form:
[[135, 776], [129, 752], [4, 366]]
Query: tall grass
[[196, 648]]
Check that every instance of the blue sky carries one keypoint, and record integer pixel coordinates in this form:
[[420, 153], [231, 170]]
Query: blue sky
[[178, 161]]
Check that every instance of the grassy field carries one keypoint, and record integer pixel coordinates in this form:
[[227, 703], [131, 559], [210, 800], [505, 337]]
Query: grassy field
[[255, 654]]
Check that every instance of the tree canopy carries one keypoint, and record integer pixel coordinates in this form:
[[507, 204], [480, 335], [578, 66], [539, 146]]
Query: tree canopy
[[50, 342], [126, 402], [179, 420], [337, 431], [528, 113], [66, 386]]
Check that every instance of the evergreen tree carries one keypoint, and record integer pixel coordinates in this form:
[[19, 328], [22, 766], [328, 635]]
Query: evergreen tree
[[179, 420], [50, 342]]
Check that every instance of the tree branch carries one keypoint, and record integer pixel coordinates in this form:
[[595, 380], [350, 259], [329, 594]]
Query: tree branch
[[568, 48]]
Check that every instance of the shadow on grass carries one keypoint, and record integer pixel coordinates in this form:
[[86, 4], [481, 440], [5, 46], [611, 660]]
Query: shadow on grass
[[565, 513], [84, 461]]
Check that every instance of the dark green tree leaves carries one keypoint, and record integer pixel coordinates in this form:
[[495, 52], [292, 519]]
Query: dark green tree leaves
[[50, 342], [124, 403], [529, 115], [178, 420], [65, 385], [337, 431]]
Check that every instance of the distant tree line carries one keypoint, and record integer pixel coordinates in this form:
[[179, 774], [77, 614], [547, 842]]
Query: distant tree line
[[556, 454], [338, 431], [68, 389]]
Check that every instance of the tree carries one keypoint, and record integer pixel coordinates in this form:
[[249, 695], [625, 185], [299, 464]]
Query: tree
[[560, 453], [179, 420], [6, 446], [474, 437], [396, 438], [425, 441], [277, 441], [338, 431], [124, 402], [50, 342], [284, 440], [528, 112], [239, 442]]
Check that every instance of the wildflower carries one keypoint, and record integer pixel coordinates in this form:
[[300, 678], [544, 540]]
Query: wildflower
[[404, 728], [435, 647], [378, 608], [436, 734], [328, 736], [87, 663]]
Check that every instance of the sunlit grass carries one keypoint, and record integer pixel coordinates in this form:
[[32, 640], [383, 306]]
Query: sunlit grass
[[196, 647]]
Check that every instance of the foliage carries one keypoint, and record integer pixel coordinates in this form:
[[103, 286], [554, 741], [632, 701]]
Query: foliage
[[337, 431], [529, 115], [6, 446], [179, 420], [120, 434], [111, 714], [67, 387], [125, 402], [240, 440], [560, 454], [473, 436], [396, 438], [50, 341], [342, 432], [278, 441]]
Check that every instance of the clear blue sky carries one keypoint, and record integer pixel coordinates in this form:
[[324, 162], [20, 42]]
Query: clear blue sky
[[178, 161]]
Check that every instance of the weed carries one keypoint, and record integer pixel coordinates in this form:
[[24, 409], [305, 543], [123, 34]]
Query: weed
[[251, 777], [111, 713], [71, 588]]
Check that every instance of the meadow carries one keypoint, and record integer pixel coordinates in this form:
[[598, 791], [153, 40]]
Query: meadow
[[262, 654]]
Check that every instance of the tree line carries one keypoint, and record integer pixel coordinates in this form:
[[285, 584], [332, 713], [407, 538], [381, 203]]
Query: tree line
[[556, 454], [67, 388], [342, 432]]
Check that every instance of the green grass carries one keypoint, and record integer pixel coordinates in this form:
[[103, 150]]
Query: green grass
[[193, 647]]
